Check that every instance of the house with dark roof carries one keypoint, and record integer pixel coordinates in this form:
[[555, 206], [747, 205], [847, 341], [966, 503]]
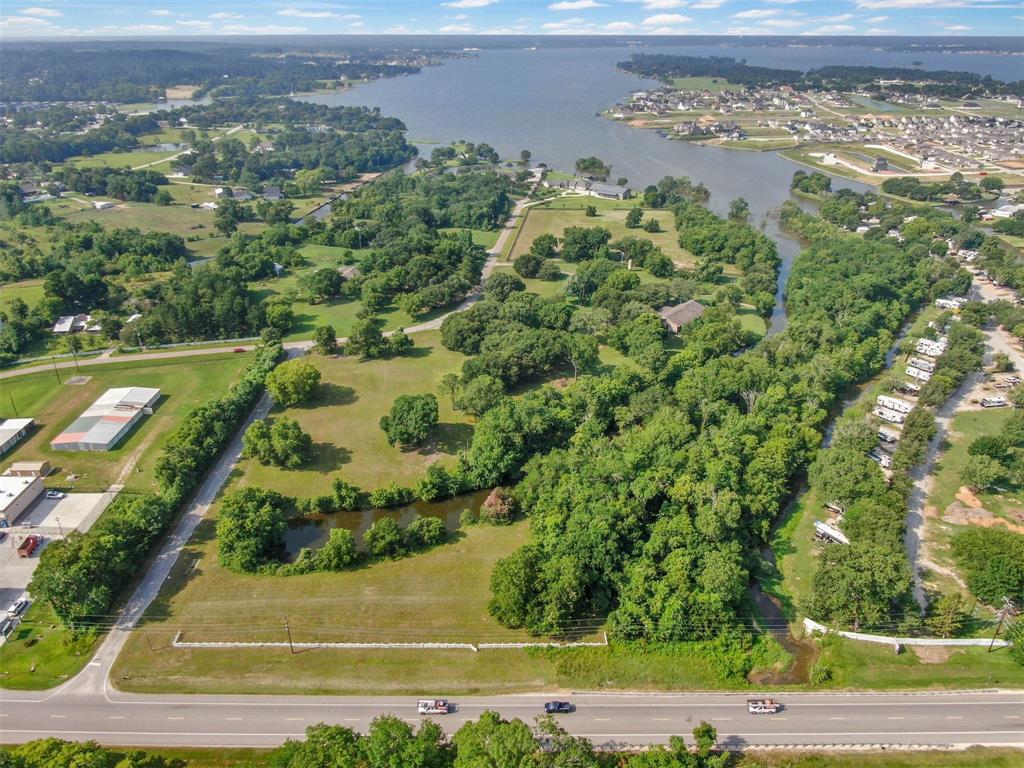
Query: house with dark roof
[[681, 314]]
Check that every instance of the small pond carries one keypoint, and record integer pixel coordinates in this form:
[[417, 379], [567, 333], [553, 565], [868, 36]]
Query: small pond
[[313, 530]]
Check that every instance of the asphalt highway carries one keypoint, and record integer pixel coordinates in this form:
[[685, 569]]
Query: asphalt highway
[[991, 718]]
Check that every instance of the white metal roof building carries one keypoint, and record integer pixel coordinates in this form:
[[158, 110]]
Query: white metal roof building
[[105, 423], [12, 431]]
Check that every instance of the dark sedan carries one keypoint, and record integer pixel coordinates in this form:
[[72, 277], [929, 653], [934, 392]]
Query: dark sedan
[[558, 707]]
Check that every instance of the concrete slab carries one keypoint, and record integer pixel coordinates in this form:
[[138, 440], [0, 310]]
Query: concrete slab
[[76, 511]]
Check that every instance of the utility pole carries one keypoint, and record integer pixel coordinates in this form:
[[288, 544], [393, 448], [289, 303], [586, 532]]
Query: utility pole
[[54, 361], [288, 629], [10, 395], [1008, 609]]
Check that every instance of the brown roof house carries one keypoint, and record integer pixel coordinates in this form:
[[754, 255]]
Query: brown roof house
[[681, 314]]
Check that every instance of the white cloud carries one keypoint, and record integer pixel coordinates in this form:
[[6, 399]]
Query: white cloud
[[619, 26], [160, 12], [782, 23], [460, 16], [301, 14], [879, 31], [576, 5], [830, 29], [957, 28], [566, 23], [198, 23], [755, 13], [784, 2], [840, 17], [454, 29], [668, 31], [885, 5], [131, 29], [708, 4], [48, 12], [23, 21], [261, 29], [876, 19], [665, 19], [662, 5], [469, 3], [223, 15]]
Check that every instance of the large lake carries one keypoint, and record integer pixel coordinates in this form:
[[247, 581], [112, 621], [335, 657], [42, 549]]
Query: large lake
[[548, 101]]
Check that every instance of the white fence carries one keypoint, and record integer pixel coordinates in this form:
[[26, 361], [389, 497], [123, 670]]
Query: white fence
[[474, 647], [812, 626]]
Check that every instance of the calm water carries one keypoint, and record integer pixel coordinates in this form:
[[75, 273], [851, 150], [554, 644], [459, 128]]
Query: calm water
[[313, 530], [548, 101]]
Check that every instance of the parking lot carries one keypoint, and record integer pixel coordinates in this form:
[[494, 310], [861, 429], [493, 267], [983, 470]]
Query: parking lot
[[51, 519]]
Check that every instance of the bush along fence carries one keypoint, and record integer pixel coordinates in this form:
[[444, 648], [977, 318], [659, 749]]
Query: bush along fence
[[83, 575], [424, 646]]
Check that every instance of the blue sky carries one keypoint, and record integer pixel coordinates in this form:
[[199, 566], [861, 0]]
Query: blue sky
[[50, 18]]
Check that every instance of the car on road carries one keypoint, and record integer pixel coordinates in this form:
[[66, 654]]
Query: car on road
[[763, 706], [18, 606], [7, 626], [55, 494], [558, 707], [238, 349], [2, 535], [434, 707]]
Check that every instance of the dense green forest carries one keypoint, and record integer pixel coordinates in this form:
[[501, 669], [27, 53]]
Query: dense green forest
[[938, 83], [49, 71], [653, 513]]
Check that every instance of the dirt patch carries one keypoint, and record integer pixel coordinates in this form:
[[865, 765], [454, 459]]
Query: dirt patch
[[930, 511], [957, 514], [967, 497], [181, 91], [931, 654]]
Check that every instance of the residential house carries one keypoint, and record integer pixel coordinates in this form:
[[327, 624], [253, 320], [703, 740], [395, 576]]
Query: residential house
[[681, 314]]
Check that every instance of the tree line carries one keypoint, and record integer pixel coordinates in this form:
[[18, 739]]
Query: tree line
[[490, 741]]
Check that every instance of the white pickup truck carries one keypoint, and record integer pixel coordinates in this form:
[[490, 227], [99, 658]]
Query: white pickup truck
[[763, 706], [433, 707]]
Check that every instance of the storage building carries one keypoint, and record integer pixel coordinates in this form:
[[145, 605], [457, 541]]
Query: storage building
[[12, 432], [16, 495], [105, 423]]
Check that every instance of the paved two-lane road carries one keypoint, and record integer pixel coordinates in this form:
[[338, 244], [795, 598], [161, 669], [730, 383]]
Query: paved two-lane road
[[262, 721]]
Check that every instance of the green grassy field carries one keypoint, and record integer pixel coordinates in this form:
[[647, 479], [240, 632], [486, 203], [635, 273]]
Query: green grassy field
[[344, 420], [965, 428], [571, 212], [149, 217], [184, 383], [120, 159], [876, 667], [974, 757], [29, 291], [41, 654]]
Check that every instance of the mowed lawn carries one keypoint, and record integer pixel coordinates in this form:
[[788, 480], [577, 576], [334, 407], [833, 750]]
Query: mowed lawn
[[149, 217], [184, 383], [30, 291], [554, 220], [438, 595], [344, 422]]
